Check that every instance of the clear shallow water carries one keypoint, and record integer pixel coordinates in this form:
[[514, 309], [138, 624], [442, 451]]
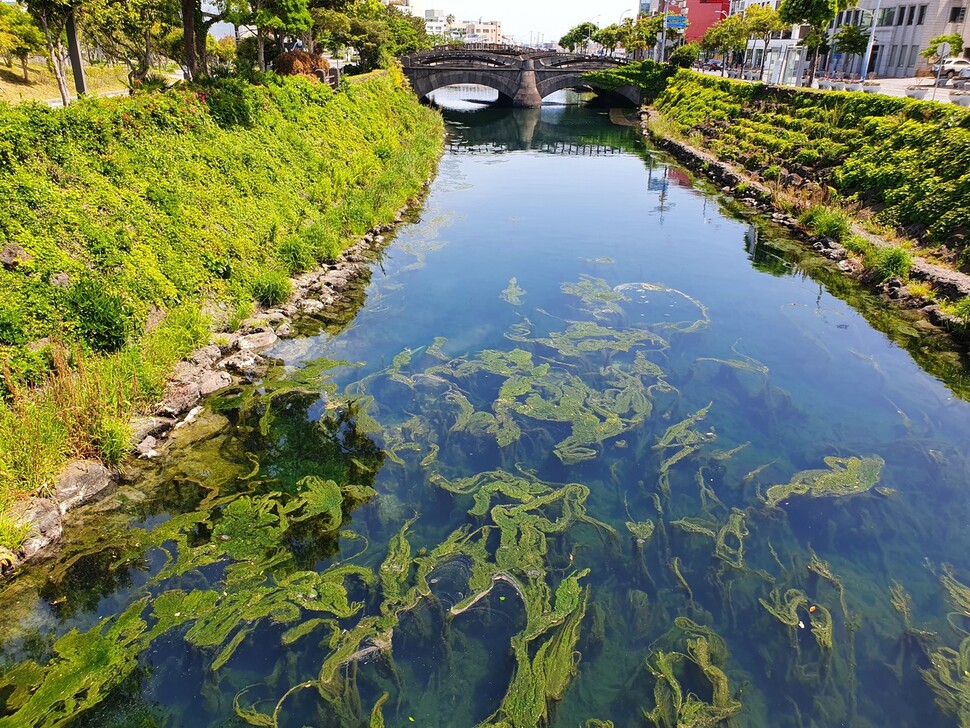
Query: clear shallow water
[[559, 523]]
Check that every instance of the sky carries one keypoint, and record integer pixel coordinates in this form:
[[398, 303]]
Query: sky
[[551, 18]]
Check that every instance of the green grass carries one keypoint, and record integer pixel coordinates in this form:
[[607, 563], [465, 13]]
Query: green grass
[[42, 86], [161, 202], [827, 222]]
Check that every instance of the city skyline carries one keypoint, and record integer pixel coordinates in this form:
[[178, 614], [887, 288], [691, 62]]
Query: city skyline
[[551, 18]]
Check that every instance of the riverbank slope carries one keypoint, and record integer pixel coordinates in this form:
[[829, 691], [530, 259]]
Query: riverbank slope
[[885, 179], [131, 227]]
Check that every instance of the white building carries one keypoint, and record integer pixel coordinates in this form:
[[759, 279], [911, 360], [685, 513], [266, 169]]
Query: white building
[[902, 31], [436, 22], [488, 31]]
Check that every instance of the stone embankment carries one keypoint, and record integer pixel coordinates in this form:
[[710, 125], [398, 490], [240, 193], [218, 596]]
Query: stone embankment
[[754, 195], [230, 359]]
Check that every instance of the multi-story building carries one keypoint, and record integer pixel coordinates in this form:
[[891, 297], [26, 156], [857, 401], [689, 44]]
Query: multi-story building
[[902, 31], [702, 14], [478, 31], [402, 5], [436, 22]]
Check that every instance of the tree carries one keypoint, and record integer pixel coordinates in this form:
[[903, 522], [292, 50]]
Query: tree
[[851, 40], [52, 16], [636, 36], [19, 36], [608, 37], [376, 31], [817, 15], [727, 36], [956, 46], [578, 36], [129, 31], [686, 55], [762, 21]]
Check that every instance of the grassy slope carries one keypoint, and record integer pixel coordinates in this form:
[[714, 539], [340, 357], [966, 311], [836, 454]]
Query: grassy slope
[[906, 160], [166, 201], [43, 87]]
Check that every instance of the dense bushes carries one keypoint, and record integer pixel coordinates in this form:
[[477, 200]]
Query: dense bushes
[[649, 76], [130, 208], [908, 160]]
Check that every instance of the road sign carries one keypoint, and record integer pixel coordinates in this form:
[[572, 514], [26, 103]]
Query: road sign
[[678, 22]]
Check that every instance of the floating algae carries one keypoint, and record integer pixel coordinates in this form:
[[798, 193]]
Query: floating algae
[[844, 476], [597, 296]]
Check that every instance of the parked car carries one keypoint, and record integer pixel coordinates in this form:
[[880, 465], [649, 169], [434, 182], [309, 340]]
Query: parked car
[[712, 65], [951, 67]]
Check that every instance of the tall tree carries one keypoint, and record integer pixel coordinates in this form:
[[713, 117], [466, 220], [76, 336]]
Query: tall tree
[[763, 21], [608, 37], [817, 15], [636, 36], [727, 36], [129, 31], [51, 16], [20, 37], [851, 40], [578, 36]]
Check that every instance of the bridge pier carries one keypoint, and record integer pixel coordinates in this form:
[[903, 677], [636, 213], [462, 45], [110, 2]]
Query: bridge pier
[[527, 95]]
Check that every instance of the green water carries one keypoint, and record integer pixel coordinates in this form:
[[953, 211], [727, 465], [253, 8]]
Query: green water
[[592, 449]]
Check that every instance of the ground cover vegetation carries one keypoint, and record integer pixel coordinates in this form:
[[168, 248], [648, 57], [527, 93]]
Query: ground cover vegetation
[[127, 212], [901, 163]]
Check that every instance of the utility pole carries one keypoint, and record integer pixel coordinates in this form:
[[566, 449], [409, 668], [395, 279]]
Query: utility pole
[[74, 51], [872, 40], [663, 35]]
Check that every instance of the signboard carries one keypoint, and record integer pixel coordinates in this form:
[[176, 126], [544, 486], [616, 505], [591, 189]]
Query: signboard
[[678, 22]]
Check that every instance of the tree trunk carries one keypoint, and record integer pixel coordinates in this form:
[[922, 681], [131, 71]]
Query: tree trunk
[[260, 49], [814, 63], [55, 51], [188, 37], [23, 61]]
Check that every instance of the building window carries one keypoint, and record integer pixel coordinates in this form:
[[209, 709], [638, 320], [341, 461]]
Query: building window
[[922, 15], [902, 15], [902, 56], [886, 16], [892, 56], [958, 15], [912, 55], [911, 15]]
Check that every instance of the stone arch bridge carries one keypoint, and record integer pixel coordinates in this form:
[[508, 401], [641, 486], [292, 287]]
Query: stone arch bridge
[[522, 76]]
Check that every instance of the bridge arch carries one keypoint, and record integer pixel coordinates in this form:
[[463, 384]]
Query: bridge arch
[[550, 84], [506, 84]]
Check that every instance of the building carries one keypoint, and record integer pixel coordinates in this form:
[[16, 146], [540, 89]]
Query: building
[[702, 14], [478, 31], [902, 31], [649, 7], [402, 5], [436, 22]]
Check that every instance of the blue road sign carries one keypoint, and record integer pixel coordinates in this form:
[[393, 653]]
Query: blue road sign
[[677, 21]]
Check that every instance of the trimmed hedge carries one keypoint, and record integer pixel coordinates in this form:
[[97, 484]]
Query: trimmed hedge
[[908, 160]]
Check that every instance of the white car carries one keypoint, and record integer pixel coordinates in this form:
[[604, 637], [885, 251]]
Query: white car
[[951, 67]]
